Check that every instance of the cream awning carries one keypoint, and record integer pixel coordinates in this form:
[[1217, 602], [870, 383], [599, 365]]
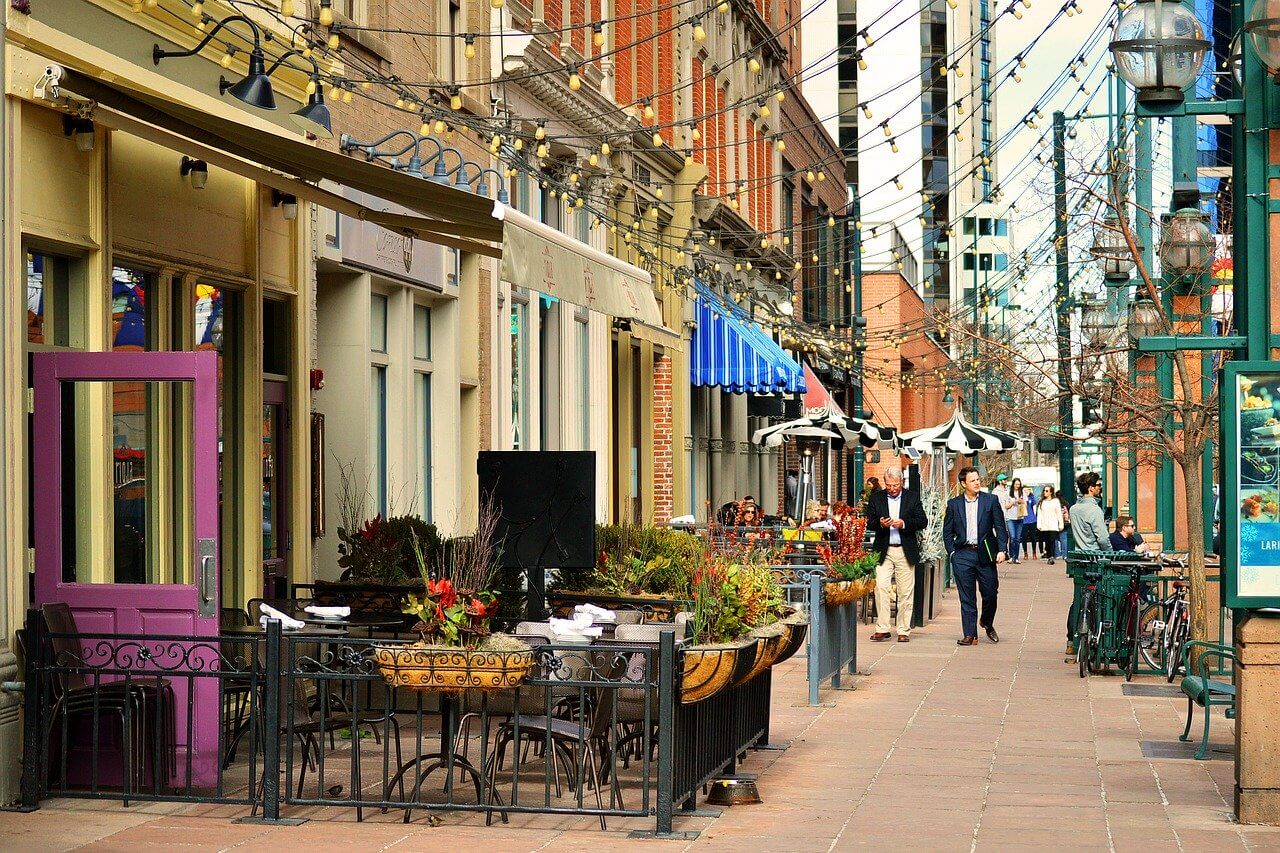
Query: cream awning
[[533, 255], [541, 258]]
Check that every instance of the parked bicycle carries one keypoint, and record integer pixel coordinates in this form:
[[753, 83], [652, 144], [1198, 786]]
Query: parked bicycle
[[1089, 626]]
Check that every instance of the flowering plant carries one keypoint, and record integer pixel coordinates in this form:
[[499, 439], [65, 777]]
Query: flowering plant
[[846, 558], [450, 617]]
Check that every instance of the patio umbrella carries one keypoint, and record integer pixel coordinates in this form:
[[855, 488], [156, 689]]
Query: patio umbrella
[[958, 435], [831, 425]]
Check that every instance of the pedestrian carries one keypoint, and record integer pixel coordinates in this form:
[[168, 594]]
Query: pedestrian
[[897, 517], [790, 485], [1126, 537], [1049, 521], [1030, 533], [1089, 531], [975, 538], [1014, 503]]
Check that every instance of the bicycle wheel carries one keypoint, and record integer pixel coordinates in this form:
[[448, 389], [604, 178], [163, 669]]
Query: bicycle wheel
[[1148, 646], [1177, 640], [1133, 638], [1084, 635]]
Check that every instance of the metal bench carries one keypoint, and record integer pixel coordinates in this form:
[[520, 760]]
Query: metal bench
[[1204, 691]]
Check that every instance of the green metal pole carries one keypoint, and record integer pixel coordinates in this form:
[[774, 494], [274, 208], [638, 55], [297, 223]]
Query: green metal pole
[[855, 252], [1143, 206], [1066, 450]]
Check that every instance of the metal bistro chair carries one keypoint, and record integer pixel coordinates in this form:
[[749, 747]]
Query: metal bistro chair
[[581, 743], [144, 706], [236, 686]]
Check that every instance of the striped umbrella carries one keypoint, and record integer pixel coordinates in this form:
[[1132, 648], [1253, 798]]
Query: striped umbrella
[[958, 435], [848, 429]]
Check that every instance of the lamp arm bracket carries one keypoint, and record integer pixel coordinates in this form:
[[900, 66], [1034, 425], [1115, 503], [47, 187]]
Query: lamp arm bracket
[[157, 54], [315, 66]]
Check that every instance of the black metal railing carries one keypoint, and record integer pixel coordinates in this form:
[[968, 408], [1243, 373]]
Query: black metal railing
[[270, 720]]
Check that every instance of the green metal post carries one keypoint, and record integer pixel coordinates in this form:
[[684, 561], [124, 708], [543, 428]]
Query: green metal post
[[1142, 203], [1066, 448], [855, 252]]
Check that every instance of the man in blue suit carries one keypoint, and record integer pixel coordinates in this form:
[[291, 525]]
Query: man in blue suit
[[974, 535]]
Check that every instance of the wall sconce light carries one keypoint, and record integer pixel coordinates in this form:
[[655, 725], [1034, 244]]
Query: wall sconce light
[[287, 203], [255, 89], [196, 171], [622, 324], [80, 129]]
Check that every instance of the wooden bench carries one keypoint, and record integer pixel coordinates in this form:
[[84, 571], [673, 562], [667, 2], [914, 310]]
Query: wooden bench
[[1202, 690]]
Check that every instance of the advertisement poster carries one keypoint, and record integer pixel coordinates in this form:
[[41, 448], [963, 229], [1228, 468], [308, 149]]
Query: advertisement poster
[[1257, 416]]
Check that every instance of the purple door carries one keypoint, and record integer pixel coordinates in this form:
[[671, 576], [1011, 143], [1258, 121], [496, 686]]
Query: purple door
[[117, 587]]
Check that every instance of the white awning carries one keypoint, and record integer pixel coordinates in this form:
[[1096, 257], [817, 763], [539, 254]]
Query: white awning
[[541, 258]]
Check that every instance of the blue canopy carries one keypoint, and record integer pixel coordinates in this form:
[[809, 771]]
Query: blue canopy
[[732, 352]]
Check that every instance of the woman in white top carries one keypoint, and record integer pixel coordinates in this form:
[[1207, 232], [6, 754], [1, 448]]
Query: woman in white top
[[1049, 520]]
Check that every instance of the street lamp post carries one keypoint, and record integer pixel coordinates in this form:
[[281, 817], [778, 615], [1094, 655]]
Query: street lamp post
[[1066, 449]]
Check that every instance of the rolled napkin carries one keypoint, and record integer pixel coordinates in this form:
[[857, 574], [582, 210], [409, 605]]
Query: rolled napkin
[[576, 630], [683, 520], [327, 612], [287, 622], [596, 614]]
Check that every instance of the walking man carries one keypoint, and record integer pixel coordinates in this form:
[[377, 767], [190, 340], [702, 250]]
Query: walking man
[[974, 535], [897, 516]]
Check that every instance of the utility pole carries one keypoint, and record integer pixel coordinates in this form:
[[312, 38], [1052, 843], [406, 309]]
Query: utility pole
[[859, 328], [1066, 449]]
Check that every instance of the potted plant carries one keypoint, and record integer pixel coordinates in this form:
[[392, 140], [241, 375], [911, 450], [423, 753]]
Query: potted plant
[[455, 650], [846, 560], [644, 568]]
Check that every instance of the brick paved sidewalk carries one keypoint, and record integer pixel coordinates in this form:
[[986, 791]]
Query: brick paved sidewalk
[[993, 747]]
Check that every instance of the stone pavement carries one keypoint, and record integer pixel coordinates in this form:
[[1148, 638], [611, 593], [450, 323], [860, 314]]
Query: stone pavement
[[993, 747]]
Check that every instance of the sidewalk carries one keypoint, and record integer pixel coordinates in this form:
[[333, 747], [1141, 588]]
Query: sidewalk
[[939, 747]]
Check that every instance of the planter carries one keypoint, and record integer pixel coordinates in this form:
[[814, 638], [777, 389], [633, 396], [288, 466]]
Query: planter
[[797, 629], [653, 608], [449, 670], [864, 586], [836, 593], [776, 640], [706, 670]]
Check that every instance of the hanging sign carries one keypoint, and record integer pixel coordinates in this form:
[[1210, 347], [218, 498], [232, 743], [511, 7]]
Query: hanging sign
[[1250, 519]]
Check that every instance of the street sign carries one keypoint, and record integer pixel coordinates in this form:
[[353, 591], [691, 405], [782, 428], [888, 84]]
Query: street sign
[[1250, 418]]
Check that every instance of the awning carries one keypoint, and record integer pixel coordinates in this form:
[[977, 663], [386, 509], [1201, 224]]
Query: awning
[[817, 399], [730, 351], [541, 258], [533, 255]]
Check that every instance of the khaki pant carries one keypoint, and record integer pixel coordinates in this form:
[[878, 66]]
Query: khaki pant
[[895, 569]]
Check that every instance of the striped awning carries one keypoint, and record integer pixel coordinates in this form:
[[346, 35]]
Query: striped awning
[[958, 435], [731, 352]]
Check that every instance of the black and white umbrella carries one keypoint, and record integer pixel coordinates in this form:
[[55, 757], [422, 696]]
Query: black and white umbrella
[[834, 424], [958, 435]]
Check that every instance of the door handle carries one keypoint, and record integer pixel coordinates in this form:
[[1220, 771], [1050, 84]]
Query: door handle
[[207, 577], [206, 588]]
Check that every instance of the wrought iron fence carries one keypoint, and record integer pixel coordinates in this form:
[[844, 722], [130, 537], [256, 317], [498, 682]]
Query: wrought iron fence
[[269, 719], [832, 648]]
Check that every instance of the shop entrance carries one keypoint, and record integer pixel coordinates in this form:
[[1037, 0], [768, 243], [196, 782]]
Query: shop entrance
[[125, 508], [276, 539]]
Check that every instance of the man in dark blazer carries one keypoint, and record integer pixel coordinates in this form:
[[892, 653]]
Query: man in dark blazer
[[897, 517], [974, 535]]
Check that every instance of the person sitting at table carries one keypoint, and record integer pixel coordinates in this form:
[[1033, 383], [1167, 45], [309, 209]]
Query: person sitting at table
[[1126, 538]]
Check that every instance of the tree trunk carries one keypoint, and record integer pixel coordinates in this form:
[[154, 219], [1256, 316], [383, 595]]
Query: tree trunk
[[1193, 477]]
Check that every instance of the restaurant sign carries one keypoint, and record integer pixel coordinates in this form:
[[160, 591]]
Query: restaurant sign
[[1250, 398], [381, 250]]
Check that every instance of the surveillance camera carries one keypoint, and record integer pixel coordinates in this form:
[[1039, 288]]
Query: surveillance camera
[[48, 87]]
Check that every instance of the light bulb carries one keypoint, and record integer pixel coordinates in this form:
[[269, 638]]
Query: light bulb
[[333, 41], [306, 52], [226, 63], [594, 159], [286, 8], [699, 34], [893, 145], [605, 149], [831, 222], [753, 65], [540, 132], [197, 9], [440, 126], [959, 70], [797, 266], [781, 145], [542, 150], [822, 176], [866, 111], [495, 4], [810, 176], [455, 101], [311, 86], [697, 134], [399, 103], [648, 111], [469, 51], [862, 63], [575, 82], [347, 96], [942, 70], [723, 7], [688, 160], [657, 140], [573, 177], [896, 182], [366, 84], [425, 130], [737, 267], [578, 203], [888, 134], [781, 96], [658, 192], [326, 14], [597, 35], [764, 110], [519, 144], [748, 266]]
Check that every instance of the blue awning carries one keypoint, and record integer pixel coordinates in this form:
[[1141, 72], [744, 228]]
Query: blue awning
[[732, 352]]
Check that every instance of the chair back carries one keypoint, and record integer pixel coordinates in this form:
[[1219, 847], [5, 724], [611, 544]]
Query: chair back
[[58, 619]]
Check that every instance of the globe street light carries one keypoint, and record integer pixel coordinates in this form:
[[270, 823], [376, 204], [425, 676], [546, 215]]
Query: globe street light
[[1112, 252], [1159, 48], [1144, 318], [1186, 245], [1263, 28]]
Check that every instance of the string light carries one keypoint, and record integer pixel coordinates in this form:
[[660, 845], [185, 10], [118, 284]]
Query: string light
[[286, 8], [597, 34], [469, 50], [699, 34], [326, 13], [575, 81]]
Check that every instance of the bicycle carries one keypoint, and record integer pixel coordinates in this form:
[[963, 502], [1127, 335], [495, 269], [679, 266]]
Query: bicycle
[[1133, 620], [1177, 622], [1088, 625]]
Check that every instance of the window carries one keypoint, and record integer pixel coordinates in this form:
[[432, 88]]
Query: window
[[422, 416], [422, 332], [450, 51], [788, 208], [984, 261], [549, 371], [130, 329], [1002, 263], [968, 225], [55, 314], [584, 381], [275, 337], [1002, 228], [984, 227], [968, 260], [378, 432], [519, 321], [378, 323]]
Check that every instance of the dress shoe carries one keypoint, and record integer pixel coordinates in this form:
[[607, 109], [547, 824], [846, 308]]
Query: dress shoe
[[991, 634], [903, 638], [880, 637], [967, 641]]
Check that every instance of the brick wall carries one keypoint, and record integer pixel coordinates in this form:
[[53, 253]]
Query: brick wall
[[663, 485]]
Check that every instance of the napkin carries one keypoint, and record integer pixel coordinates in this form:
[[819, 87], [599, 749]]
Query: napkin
[[683, 519], [597, 614], [327, 612], [287, 622], [576, 630]]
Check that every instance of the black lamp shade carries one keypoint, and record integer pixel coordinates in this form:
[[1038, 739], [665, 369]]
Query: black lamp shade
[[255, 89], [314, 117]]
